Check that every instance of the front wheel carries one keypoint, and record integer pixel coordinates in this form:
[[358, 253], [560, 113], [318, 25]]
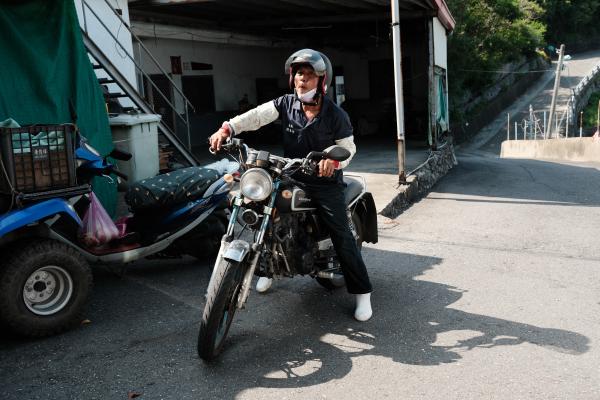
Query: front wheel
[[44, 287], [221, 304]]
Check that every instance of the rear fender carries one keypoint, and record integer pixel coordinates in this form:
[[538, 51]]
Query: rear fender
[[38, 212], [365, 208]]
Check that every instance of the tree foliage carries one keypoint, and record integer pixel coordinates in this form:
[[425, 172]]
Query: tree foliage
[[571, 21], [491, 33], [590, 114]]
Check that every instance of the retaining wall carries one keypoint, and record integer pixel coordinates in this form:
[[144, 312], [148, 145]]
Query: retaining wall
[[421, 180], [485, 108], [585, 149]]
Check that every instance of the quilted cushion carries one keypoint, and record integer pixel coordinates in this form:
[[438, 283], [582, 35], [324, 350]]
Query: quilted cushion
[[168, 190]]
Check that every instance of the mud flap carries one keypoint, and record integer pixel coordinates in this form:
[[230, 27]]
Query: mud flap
[[368, 215]]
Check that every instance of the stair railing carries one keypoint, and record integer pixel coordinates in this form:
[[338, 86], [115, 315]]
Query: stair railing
[[140, 44]]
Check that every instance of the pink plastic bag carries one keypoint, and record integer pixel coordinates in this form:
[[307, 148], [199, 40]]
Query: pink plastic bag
[[98, 228]]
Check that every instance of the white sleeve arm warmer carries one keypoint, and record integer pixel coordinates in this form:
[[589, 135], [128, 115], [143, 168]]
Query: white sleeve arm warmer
[[254, 119], [347, 143]]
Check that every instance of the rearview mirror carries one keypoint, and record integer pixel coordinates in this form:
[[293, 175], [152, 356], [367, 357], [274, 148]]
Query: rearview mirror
[[336, 153], [118, 154]]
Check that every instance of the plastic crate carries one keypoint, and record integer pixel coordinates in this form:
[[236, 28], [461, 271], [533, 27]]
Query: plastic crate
[[37, 158]]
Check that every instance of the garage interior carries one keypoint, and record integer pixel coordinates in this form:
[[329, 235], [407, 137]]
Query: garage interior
[[358, 29]]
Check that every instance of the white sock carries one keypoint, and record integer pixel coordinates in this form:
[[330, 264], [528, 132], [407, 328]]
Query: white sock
[[363, 310]]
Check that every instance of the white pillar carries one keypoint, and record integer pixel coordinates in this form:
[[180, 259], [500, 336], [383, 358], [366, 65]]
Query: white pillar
[[397, 46]]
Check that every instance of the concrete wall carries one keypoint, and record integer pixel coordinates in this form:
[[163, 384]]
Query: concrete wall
[[356, 71], [237, 62], [497, 98], [440, 44], [102, 37], [236, 67], [571, 149]]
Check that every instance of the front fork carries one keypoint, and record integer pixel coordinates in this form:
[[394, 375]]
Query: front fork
[[225, 240], [257, 246]]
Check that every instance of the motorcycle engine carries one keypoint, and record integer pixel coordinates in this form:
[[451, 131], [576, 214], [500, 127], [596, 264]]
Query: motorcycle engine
[[294, 233]]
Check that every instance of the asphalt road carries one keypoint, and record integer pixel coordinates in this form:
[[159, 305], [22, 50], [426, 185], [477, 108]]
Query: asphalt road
[[487, 288]]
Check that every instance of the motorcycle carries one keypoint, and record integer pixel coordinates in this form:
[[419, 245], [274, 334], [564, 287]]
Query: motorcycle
[[287, 238], [45, 279]]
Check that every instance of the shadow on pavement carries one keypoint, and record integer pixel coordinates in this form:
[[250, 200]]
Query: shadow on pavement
[[143, 335], [409, 316]]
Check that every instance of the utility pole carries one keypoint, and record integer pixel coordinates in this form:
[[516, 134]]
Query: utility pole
[[399, 91], [555, 92], [432, 90]]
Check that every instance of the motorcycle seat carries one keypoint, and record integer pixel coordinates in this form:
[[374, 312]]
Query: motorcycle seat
[[165, 191], [354, 188]]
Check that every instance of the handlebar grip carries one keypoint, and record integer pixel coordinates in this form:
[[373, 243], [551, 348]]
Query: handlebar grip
[[119, 154]]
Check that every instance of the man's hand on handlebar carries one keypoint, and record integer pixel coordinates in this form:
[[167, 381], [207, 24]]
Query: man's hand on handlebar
[[327, 167], [217, 138]]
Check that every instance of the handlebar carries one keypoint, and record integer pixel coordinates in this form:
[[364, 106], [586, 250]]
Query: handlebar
[[309, 165], [227, 146]]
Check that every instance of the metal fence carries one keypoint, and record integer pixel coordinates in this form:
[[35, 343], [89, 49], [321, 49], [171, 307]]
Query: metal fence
[[533, 125]]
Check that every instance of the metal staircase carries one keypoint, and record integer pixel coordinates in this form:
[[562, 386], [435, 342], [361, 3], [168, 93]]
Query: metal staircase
[[128, 91]]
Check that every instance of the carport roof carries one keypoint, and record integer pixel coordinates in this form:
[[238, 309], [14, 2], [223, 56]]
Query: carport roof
[[291, 18]]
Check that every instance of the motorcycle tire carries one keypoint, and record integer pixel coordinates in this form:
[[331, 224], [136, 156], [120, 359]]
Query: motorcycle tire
[[221, 304], [44, 287], [338, 282]]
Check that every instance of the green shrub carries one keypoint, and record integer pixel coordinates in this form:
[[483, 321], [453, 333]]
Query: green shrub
[[590, 113], [488, 35]]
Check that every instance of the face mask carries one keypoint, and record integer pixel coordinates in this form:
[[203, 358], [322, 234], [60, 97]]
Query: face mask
[[308, 96]]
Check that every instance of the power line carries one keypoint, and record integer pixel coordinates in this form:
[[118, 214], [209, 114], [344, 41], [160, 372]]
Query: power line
[[505, 72]]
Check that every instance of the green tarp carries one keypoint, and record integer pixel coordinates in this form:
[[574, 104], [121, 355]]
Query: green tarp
[[44, 68], [441, 105]]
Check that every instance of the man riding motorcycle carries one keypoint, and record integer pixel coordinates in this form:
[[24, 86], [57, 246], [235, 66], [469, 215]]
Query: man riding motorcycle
[[311, 121]]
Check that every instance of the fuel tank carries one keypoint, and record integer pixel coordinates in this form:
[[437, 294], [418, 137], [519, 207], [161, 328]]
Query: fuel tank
[[293, 199]]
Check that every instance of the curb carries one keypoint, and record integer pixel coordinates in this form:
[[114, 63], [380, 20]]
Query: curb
[[421, 180]]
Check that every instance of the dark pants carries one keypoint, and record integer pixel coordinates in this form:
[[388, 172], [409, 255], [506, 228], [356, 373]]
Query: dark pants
[[332, 210]]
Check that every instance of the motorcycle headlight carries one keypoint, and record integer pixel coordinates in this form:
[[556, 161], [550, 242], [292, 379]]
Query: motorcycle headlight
[[256, 184]]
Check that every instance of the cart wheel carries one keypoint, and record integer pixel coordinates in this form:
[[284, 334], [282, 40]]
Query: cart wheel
[[44, 287]]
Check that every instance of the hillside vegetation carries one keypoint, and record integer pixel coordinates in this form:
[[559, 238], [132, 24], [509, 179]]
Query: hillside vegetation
[[492, 33]]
